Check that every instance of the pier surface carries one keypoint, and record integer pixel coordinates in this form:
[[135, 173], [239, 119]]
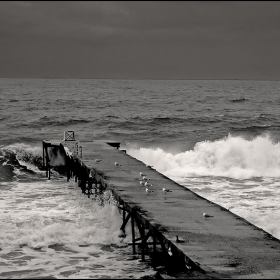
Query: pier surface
[[223, 246]]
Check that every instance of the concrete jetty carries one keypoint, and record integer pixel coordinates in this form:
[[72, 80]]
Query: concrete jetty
[[222, 246]]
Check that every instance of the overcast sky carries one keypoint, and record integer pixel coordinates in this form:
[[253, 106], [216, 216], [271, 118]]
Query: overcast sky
[[140, 40]]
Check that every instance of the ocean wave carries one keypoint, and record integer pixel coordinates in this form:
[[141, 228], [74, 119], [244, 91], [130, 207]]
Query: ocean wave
[[50, 121], [254, 128], [20, 159], [233, 157]]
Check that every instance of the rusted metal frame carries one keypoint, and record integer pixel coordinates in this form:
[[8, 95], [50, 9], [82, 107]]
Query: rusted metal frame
[[125, 222], [89, 186], [142, 237], [81, 153], [133, 233], [161, 241], [145, 244], [176, 254], [43, 154], [47, 159], [154, 243]]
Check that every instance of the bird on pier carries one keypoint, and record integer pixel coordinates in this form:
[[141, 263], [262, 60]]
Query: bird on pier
[[166, 190], [178, 240], [148, 184], [142, 174], [169, 251], [145, 178], [207, 216], [142, 183], [148, 190], [98, 160], [117, 164]]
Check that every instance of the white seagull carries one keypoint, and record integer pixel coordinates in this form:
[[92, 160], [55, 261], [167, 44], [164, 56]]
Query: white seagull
[[145, 178], [117, 164], [148, 184], [142, 174], [148, 190], [207, 216], [166, 190], [169, 251], [98, 160], [141, 183]]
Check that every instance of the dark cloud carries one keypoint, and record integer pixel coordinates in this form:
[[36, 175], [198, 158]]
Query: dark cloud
[[140, 39]]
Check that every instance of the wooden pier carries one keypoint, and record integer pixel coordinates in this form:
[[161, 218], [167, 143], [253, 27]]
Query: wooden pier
[[172, 223]]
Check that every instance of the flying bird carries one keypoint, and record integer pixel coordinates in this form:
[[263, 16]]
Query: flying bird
[[207, 216]]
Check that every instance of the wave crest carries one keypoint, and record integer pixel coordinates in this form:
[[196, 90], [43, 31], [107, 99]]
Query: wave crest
[[233, 157]]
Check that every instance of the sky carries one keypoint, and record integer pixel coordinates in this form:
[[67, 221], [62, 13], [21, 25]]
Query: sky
[[140, 39]]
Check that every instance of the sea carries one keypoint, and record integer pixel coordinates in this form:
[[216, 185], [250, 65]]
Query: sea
[[218, 138]]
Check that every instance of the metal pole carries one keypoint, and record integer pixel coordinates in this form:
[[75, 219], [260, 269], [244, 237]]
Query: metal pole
[[133, 234]]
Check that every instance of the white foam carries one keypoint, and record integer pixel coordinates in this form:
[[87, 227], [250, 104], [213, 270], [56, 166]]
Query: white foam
[[233, 157], [35, 216]]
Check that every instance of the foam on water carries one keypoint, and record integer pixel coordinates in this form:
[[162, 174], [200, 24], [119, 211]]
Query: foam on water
[[233, 157], [241, 175], [49, 228]]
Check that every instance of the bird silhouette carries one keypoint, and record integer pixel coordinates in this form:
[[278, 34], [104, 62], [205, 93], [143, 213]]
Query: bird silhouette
[[207, 216], [178, 240]]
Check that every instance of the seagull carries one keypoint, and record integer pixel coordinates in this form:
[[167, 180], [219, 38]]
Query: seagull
[[98, 160], [117, 164], [148, 184], [169, 251], [179, 240], [141, 183], [141, 174], [148, 190], [207, 216], [145, 178], [149, 166], [166, 190]]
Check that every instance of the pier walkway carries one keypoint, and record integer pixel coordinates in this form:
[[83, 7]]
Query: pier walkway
[[222, 246]]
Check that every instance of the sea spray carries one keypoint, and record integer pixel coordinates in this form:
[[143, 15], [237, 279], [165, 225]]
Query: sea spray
[[233, 157]]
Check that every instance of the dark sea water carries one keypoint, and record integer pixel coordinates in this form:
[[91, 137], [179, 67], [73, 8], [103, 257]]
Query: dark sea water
[[217, 138]]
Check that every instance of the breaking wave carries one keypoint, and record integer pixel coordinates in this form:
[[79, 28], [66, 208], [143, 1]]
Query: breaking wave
[[233, 157]]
